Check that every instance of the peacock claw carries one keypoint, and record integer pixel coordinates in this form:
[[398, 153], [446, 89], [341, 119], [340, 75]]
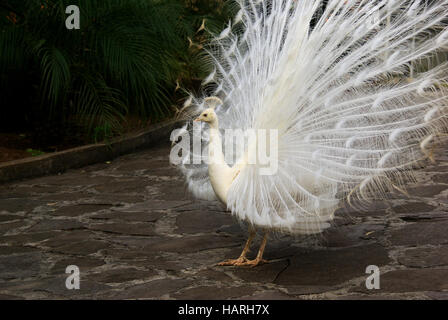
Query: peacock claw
[[234, 262], [242, 262], [254, 263]]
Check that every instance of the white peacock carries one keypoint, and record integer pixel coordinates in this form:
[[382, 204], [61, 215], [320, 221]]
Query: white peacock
[[351, 122]]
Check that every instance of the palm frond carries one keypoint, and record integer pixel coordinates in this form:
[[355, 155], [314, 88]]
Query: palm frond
[[129, 56], [55, 73], [98, 104]]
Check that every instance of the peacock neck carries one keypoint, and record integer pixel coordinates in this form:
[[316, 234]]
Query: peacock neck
[[221, 175], [216, 156]]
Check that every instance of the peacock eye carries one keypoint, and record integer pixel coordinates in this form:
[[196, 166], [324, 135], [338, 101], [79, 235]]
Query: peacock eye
[[205, 115]]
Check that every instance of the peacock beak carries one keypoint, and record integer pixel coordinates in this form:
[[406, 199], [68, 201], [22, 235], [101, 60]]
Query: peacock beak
[[197, 120]]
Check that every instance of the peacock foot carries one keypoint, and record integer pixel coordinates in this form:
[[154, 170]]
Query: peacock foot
[[255, 262], [234, 262]]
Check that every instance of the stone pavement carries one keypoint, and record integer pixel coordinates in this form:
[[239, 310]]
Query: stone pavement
[[135, 234]]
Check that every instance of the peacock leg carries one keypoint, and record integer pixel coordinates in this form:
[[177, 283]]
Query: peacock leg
[[242, 258], [259, 259]]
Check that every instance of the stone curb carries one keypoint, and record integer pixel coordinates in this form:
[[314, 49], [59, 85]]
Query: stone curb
[[58, 162]]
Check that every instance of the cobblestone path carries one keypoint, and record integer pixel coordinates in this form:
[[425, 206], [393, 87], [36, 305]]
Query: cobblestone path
[[134, 233]]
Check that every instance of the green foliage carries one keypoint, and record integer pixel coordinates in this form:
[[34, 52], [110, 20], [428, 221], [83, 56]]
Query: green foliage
[[128, 57], [35, 153], [101, 133]]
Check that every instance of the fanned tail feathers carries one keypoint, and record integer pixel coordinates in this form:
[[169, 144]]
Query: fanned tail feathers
[[342, 85]]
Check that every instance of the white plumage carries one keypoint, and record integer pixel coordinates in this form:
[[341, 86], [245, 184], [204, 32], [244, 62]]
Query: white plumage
[[334, 81]]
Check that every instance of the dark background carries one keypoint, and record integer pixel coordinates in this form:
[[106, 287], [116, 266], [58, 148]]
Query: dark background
[[129, 65]]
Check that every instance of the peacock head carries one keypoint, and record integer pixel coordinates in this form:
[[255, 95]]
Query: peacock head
[[209, 115]]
